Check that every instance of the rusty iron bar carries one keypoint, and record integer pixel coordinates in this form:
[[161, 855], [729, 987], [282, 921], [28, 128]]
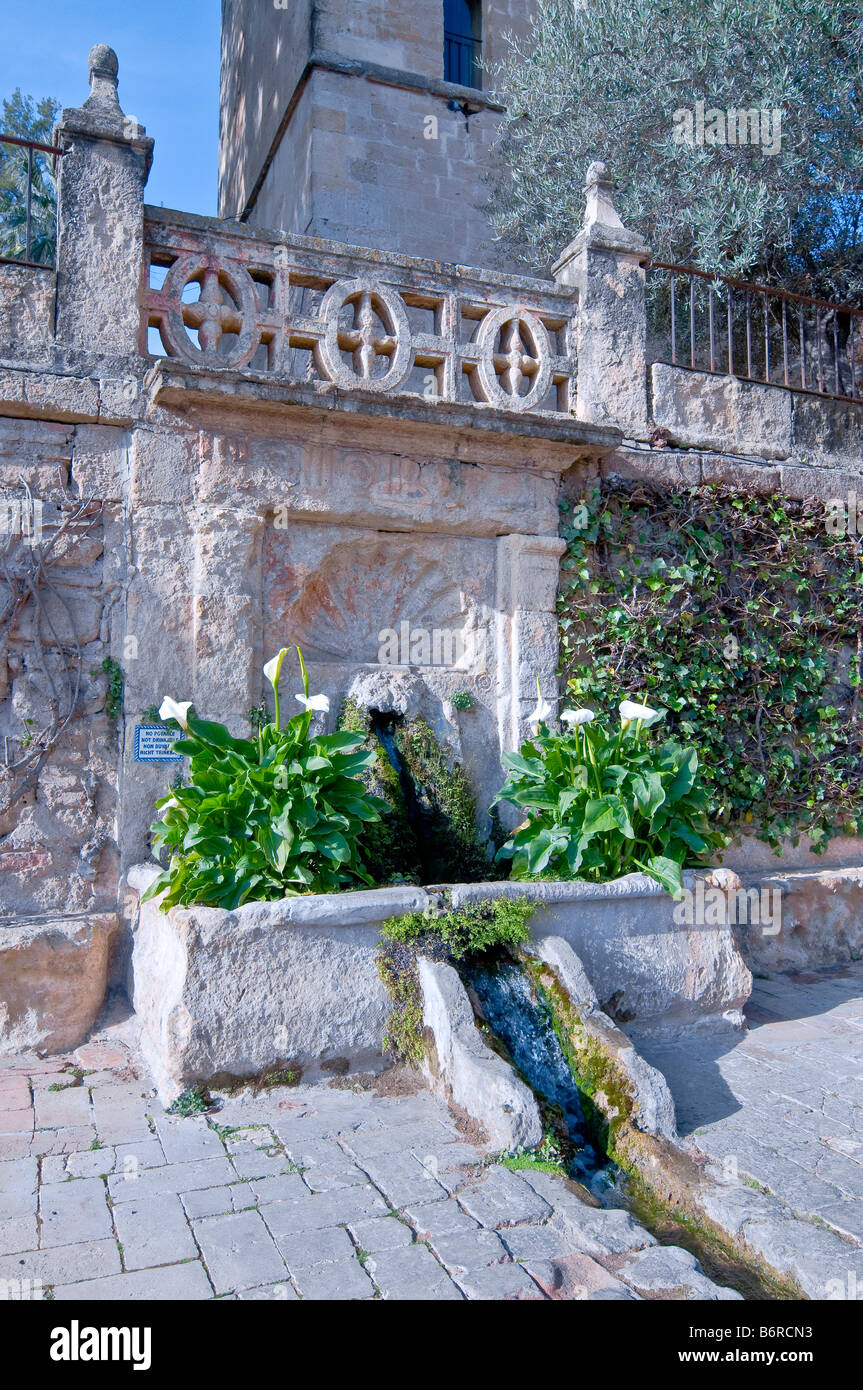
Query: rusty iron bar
[[29, 146], [28, 227], [691, 322], [802, 354], [766, 343], [825, 312], [785, 339]]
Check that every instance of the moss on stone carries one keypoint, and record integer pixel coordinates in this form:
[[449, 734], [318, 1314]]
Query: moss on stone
[[453, 849], [388, 847], [447, 934], [404, 1032]]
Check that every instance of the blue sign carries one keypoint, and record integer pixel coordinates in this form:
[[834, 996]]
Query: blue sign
[[153, 744]]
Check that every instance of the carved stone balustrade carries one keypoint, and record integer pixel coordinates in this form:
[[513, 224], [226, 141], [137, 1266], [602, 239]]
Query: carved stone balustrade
[[219, 296]]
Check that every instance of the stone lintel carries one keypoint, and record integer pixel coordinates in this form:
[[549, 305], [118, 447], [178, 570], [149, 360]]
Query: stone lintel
[[472, 432]]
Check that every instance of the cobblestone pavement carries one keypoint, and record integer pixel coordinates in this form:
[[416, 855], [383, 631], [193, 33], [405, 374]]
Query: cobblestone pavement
[[308, 1192], [782, 1103]]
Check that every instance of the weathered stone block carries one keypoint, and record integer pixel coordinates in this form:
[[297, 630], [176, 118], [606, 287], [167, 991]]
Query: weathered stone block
[[722, 412], [53, 977], [827, 433], [820, 921]]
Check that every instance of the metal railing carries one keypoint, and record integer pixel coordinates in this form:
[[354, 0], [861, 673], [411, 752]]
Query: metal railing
[[28, 209], [461, 56], [756, 332]]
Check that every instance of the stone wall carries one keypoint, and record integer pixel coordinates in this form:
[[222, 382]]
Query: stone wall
[[58, 818], [806, 445]]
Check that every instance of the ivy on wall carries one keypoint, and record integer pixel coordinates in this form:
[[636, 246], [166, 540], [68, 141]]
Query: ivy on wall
[[743, 616]]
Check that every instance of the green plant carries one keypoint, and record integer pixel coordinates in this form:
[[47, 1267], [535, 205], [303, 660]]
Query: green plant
[[547, 1157], [742, 615], [447, 935], [195, 1100], [267, 817], [258, 716], [116, 681], [446, 809], [463, 700], [469, 929], [603, 803], [403, 1035], [151, 715]]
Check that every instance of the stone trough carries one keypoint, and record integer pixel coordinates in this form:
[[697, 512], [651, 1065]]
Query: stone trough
[[293, 984]]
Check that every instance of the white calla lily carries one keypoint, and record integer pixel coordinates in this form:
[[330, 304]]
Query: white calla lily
[[575, 717], [272, 671], [172, 709], [315, 702], [629, 710], [273, 668], [540, 714]]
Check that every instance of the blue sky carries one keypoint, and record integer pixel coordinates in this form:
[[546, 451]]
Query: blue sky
[[169, 77]]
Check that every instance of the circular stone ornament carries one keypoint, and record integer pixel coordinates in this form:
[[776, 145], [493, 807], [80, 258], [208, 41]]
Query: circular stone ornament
[[380, 329], [513, 346], [210, 314]]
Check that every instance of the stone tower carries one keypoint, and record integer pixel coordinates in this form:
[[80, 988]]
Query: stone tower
[[363, 122]]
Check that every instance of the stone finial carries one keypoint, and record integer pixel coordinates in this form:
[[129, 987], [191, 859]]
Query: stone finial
[[600, 197], [104, 67]]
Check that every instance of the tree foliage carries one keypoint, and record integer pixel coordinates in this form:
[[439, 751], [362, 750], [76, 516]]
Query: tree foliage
[[27, 119], [602, 80]]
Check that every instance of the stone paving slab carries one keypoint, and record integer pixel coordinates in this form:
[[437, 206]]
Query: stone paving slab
[[321, 1192], [153, 1232], [181, 1283], [238, 1251], [72, 1212], [780, 1106]]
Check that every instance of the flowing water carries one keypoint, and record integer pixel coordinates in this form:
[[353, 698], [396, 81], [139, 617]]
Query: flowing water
[[527, 1032], [525, 1027]]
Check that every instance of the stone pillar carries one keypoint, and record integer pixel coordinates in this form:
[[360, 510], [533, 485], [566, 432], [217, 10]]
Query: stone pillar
[[226, 615], [606, 263], [100, 216], [527, 639]]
